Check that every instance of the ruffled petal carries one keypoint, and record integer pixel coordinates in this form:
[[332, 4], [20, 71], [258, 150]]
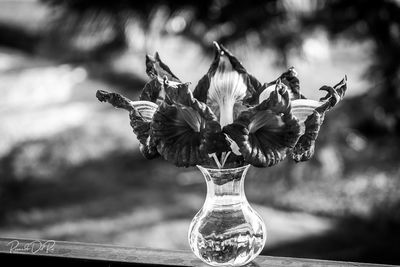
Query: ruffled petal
[[140, 120], [269, 88], [227, 87], [177, 93], [302, 108], [304, 149], [157, 70], [214, 139], [141, 127], [288, 78], [180, 94], [310, 114], [140, 113], [201, 90], [334, 95], [184, 128], [254, 88], [177, 130], [117, 100], [152, 91], [265, 133], [143, 110]]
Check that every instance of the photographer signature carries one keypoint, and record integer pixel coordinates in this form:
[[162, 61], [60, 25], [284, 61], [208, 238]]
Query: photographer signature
[[32, 247]]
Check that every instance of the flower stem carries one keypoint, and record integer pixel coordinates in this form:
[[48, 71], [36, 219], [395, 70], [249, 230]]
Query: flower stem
[[216, 160], [224, 157]]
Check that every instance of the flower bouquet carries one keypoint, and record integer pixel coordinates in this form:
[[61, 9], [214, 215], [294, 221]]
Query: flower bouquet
[[228, 122]]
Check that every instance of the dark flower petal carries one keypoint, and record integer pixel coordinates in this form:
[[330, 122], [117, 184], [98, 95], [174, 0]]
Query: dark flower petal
[[227, 86], [201, 90], [265, 133], [142, 130], [149, 151], [151, 91], [142, 110], [117, 100], [333, 96], [177, 131], [302, 108], [254, 87], [180, 94], [156, 69], [289, 78], [140, 119], [236, 64], [304, 148], [181, 129], [140, 114], [214, 139]]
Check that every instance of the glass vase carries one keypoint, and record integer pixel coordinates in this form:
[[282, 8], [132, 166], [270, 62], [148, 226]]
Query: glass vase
[[226, 231]]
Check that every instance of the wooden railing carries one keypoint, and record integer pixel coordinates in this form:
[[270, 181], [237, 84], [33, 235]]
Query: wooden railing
[[21, 252]]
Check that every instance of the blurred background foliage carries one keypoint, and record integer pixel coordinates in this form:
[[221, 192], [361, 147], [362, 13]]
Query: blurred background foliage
[[70, 167]]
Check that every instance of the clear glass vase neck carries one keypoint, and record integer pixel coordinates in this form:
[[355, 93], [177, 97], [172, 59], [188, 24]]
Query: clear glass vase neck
[[225, 186]]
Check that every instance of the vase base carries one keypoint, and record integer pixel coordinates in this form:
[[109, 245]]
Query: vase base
[[234, 250]]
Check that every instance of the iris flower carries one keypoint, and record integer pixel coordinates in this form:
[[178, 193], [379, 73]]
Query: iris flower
[[229, 119]]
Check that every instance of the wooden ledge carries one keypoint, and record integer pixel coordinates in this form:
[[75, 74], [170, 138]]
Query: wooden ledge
[[54, 253]]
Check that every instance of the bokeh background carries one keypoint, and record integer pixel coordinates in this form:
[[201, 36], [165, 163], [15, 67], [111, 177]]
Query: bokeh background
[[70, 167]]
